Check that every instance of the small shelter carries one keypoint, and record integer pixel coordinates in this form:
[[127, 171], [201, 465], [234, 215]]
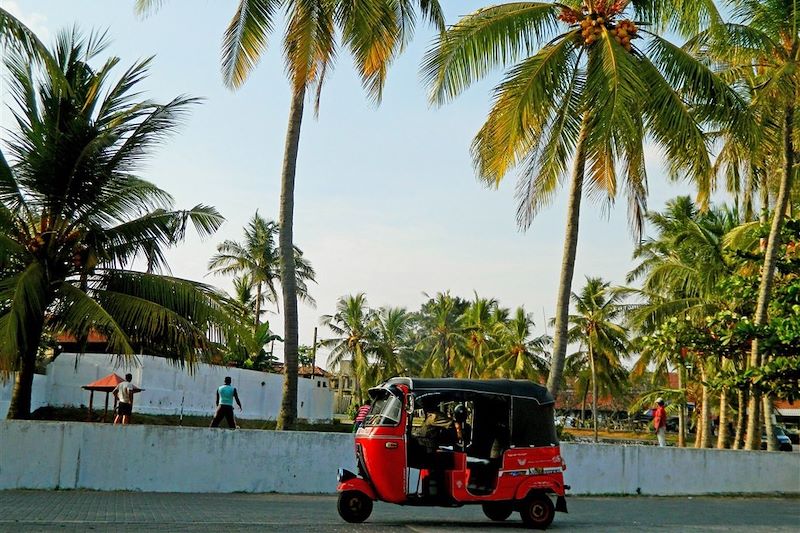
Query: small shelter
[[107, 385]]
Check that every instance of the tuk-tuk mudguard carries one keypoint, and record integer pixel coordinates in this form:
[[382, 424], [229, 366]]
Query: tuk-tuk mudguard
[[539, 485], [358, 484]]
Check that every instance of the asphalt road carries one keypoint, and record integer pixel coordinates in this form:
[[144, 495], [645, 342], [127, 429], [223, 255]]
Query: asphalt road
[[152, 512]]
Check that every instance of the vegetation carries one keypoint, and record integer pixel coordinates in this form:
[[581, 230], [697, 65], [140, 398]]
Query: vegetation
[[75, 216], [448, 336], [257, 261], [587, 83]]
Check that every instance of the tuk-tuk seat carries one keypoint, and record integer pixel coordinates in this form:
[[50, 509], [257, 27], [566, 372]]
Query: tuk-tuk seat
[[472, 461]]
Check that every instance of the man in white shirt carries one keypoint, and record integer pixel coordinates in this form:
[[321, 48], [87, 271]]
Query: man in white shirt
[[124, 394]]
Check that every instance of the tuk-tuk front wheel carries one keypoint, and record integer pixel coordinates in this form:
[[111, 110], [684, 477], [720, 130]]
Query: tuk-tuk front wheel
[[354, 506], [537, 511], [498, 511]]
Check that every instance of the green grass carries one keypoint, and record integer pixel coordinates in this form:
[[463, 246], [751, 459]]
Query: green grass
[[70, 414]]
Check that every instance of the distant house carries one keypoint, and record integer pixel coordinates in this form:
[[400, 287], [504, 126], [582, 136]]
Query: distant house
[[95, 343], [320, 376], [788, 412], [342, 383]]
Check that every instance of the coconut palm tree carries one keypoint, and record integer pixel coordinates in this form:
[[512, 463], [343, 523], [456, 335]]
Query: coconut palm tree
[[258, 257], [374, 31], [351, 327], [603, 340], [588, 82], [519, 355], [442, 338], [74, 216], [760, 48], [389, 342], [479, 324]]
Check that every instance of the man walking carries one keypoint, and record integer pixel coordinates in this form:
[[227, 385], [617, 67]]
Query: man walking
[[225, 396], [123, 392], [660, 422]]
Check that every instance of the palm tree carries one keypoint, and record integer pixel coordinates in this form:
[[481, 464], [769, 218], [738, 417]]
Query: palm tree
[[518, 355], [442, 335], [603, 340], [478, 324], [374, 31], [351, 325], [258, 258], [760, 48], [681, 270], [590, 95], [389, 342], [74, 215]]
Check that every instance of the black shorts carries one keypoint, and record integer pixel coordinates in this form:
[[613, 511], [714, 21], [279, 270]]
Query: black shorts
[[124, 409]]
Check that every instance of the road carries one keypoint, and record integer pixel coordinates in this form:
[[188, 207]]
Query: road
[[153, 512]]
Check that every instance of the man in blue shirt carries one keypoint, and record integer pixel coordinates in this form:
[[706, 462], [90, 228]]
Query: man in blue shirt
[[225, 396]]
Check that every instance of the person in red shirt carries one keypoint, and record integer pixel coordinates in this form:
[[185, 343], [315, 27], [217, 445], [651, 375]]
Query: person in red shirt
[[660, 422], [361, 414]]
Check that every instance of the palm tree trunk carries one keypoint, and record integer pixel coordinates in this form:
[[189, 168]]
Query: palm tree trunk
[[259, 288], [288, 413], [20, 407], [722, 437], [772, 440], [583, 405], [568, 262], [741, 419], [768, 271], [705, 413], [594, 392], [682, 412], [698, 427]]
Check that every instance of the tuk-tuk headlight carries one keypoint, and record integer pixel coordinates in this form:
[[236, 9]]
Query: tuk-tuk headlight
[[343, 475]]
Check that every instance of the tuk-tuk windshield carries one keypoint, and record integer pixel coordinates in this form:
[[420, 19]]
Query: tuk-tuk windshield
[[386, 410]]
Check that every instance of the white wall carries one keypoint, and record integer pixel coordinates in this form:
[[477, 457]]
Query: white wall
[[38, 393], [169, 387], [615, 469], [67, 455]]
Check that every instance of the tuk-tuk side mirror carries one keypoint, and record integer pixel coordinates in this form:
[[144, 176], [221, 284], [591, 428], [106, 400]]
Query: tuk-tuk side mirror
[[409, 404]]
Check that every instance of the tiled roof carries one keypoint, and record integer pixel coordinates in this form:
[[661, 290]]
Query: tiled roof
[[107, 384]]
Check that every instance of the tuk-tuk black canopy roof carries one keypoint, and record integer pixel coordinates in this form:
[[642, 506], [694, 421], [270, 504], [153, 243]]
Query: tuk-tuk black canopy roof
[[506, 387]]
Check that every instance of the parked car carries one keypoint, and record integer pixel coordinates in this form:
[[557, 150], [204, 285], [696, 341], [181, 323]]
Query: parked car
[[793, 433], [784, 444]]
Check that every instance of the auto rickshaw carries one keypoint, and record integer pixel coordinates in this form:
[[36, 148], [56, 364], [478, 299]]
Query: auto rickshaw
[[453, 442]]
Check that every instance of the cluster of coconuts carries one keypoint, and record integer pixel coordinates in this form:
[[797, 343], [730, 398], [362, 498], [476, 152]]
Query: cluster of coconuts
[[622, 32], [36, 243]]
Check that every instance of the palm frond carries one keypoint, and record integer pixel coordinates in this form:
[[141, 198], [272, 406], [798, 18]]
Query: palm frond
[[245, 39], [489, 38]]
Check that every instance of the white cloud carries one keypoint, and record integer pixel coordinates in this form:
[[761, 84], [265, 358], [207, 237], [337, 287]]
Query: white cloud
[[37, 22]]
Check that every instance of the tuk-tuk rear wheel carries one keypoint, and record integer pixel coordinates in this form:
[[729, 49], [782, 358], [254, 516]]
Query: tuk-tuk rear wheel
[[498, 511], [354, 506], [537, 511]]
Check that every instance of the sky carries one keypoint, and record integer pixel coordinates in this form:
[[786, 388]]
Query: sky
[[386, 202]]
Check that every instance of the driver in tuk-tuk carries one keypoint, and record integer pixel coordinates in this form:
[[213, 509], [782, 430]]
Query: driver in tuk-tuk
[[439, 429]]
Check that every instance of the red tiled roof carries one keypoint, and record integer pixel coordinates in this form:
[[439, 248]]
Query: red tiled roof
[[307, 370], [107, 384], [93, 336]]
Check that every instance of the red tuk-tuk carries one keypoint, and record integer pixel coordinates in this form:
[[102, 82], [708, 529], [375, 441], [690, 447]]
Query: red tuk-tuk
[[454, 442]]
